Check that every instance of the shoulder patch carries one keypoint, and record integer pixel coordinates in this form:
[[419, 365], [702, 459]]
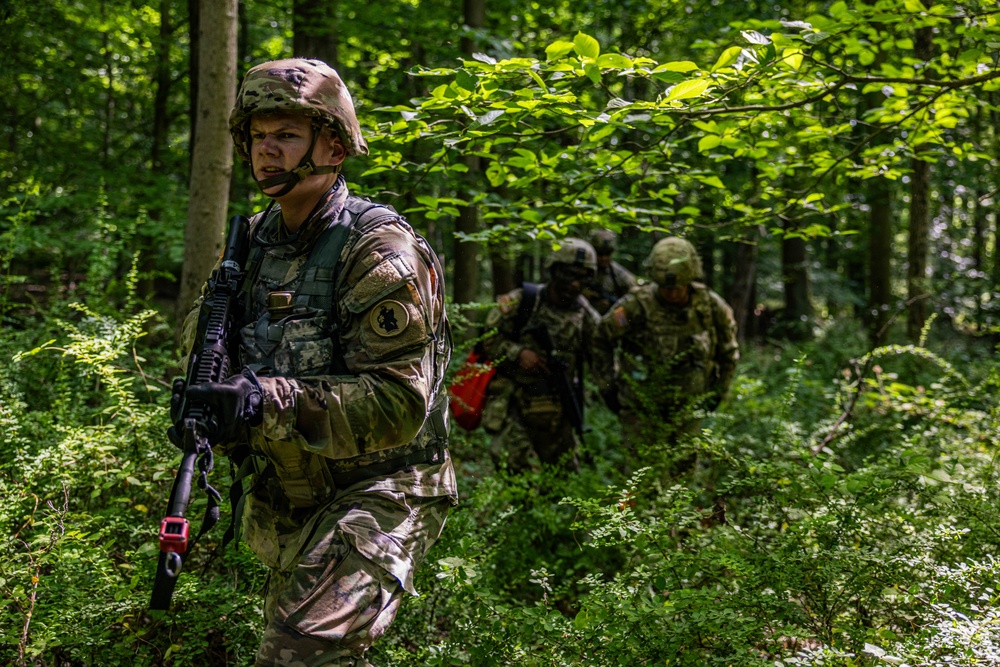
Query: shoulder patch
[[619, 317], [506, 304], [389, 318]]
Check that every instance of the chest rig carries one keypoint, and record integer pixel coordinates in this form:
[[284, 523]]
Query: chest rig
[[674, 345], [291, 319]]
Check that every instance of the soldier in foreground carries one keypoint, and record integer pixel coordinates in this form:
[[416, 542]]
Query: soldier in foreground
[[337, 408], [675, 344], [542, 343], [611, 281]]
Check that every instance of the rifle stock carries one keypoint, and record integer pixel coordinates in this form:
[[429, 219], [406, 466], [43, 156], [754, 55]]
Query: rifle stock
[[559, 378], [209, 362]]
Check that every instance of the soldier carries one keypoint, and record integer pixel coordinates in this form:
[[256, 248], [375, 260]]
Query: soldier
[[542, 341], [674, 341], [337, 404], [612, 280]]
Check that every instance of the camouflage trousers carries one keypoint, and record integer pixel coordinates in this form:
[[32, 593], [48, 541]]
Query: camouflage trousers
[[334, 603], [530, 437]]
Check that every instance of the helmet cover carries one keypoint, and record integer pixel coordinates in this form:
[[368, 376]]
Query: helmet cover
[[674, 262], [296, 85], [573, 252]]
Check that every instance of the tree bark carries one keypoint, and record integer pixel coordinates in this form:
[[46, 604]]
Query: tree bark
[[212, 152], [314, 30], [160, 115], [917, 287], [466, 253], [798, 312], [745, 276], [879, 258]]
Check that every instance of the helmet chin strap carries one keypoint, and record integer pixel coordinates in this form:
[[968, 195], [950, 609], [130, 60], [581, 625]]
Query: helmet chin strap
[[305, 168]]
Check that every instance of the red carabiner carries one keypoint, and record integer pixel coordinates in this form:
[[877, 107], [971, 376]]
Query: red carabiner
[[174, 534]]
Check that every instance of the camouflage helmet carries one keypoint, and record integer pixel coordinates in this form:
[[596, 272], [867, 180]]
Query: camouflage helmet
[[604, 241], [673, 262], [296, 85], [573, 252]]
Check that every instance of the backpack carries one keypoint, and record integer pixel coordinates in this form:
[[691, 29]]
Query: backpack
[[468, 389]]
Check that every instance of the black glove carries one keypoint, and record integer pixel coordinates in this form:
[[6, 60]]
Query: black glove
[[176, 405], [234, 403]]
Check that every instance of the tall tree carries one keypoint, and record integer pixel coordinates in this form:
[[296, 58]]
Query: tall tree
[[466, 259], [798, 310], [917, 287], [314, 27], [212, 150]]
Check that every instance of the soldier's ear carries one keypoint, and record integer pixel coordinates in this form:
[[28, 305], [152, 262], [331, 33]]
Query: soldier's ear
[[334, 150]]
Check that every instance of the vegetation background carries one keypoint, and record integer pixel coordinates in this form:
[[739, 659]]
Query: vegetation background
[[836, 163]]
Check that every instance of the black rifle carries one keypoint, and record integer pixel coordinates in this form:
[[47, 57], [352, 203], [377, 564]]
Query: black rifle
[[560, 378], [209, 362]]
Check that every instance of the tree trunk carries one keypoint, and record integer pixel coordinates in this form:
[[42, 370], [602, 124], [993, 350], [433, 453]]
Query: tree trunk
[[160, 115], [879, 258], [466, 253], [798, 313], [745, 275], [212, 152], [917, 287], [194, 34], [314, 30]]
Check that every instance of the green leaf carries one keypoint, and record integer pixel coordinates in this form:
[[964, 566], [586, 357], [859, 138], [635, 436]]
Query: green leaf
[[687, 89], [593, 72], [728, 57], [586, 46], [792, 58], [677, 66], [713, 181], [557, 50], [708, 142], [614, 61]]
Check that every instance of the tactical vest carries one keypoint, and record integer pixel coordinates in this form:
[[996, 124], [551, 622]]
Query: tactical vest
[[296, 334], [685, 339]]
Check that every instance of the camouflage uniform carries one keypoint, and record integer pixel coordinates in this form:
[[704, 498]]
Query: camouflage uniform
[[612, 281], [350, 479], [609, 284], [524, 412], [662, 359]]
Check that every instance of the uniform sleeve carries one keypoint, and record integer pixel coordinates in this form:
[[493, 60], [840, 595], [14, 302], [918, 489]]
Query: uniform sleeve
[[612, 326], [728, 349], [390, 306], [504, 345]]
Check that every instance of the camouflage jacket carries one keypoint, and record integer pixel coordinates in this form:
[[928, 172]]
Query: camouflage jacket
[[644, 340], [609, 285], [571, 331], [350, 352]]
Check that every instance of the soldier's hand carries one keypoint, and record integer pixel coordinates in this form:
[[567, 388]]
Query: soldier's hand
[[234, 403], [532, 362]]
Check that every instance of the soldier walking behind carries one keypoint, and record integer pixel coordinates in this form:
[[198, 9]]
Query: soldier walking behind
[[542, 342], [665, 349], [611, 280]]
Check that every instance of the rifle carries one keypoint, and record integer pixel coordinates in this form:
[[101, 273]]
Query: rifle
[[559, 377], [209, 362]]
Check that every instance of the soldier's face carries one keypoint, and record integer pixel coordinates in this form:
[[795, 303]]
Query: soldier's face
[[568, 282], [279, 142], [674, 295], [604, 261]]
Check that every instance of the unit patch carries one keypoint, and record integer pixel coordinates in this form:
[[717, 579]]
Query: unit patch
[[506, 304], [621, 319], [389, 318]]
